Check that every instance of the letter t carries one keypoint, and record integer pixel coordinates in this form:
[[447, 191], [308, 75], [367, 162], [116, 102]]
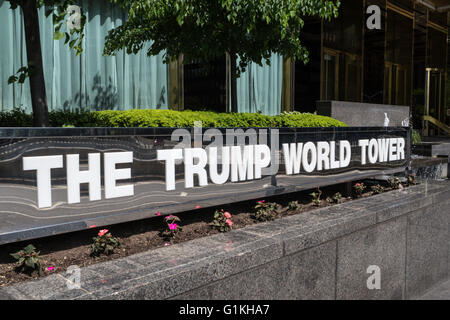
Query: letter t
[[43, 166]]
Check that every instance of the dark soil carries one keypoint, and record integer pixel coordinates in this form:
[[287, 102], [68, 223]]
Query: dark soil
[[74, 248]]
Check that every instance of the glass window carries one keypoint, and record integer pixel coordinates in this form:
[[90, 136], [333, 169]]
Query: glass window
[[330, 71], [435, 77], [307, 77], [205, 85], [342, 54], [447, 86], [437, 17], [420, 46], [405, 4], [399, 40], [374, 51], [437, 43]]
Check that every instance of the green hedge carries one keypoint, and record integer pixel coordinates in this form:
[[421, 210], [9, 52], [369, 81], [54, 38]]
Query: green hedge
[[416, 138], [168, 118]]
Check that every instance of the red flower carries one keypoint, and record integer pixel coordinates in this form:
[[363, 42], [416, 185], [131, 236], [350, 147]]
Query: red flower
[[101, 233], [173, 226]]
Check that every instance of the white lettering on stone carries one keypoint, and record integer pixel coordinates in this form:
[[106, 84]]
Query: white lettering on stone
[[170, 156], [43, 166], [75, 177], [242, 163], [112, 175], [364, 143]]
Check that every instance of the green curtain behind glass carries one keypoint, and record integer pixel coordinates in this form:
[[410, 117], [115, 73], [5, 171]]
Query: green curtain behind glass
[[87, 81], [259, 88]]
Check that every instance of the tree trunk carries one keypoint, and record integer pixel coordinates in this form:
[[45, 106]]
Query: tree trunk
[[34, 57], [233, 70]]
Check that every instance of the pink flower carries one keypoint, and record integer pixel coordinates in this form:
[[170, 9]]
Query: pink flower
[[50, 268], [173, 226], [167, 244], [169, 217], [227, 215], [158, 213], [93, 226], [197, 207], [261, 201], [101, 233], [229, 222]]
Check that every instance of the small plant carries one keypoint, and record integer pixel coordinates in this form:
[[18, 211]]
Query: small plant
[[337, 197], [316, 197], [411, 180], [172, 226], [104, 243], [29, 259], [222, 220], [394, 183], [265, 211], [377, 189], [294, 206], [359, 189]]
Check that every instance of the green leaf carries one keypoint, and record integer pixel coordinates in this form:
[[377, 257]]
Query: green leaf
[[22, 78], [12, 79], [67, 38], [22, 69], [29, 248], [29, 263], [15, 255], [58, 35]]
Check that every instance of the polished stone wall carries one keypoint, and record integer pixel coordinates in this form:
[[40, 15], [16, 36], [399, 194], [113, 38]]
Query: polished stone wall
[[364, 114], [321, 254], [24, 217]]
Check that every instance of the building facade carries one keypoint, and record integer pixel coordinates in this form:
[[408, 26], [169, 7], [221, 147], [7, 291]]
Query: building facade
[[402, 62], [398, 55]]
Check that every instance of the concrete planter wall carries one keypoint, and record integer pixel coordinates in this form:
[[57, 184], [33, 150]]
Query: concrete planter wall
[[322, 254]]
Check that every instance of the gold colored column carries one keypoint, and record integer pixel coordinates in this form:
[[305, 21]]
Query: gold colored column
[[176, 89], [287, 92]]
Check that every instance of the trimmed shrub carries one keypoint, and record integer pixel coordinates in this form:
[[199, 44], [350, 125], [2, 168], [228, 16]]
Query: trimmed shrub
[[416, 138], [168, 118], [15, 118]]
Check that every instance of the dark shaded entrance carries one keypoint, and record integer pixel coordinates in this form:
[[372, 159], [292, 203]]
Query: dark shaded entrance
[[205, 85]]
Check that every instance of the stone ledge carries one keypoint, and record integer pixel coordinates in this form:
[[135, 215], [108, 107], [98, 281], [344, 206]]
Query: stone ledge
[[172, 271]]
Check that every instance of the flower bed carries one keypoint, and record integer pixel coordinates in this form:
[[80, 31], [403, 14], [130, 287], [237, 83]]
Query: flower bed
[[59, 252]]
